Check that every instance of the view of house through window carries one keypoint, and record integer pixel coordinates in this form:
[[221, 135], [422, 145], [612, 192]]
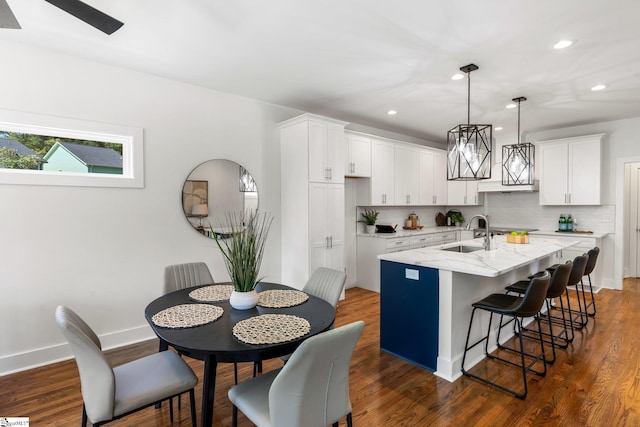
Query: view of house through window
[[52, 153]]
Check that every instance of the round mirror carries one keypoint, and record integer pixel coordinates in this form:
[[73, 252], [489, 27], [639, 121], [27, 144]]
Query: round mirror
[[214, 189]]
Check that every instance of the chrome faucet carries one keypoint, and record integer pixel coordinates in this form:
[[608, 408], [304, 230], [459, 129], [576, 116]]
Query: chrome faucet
[[486, 245]]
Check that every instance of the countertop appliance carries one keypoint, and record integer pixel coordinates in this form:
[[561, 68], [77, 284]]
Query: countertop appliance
[[498, 231]]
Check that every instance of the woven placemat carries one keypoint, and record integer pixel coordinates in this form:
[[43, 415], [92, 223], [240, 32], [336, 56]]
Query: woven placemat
[[212, 293], [279, 298], [271, 329], [187, 315]]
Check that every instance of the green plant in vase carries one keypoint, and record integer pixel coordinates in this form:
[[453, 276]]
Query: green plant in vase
[[457, 218], [242, 250], [369, 217]]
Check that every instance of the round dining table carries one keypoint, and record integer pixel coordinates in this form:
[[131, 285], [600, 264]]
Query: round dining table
[[215, 342]]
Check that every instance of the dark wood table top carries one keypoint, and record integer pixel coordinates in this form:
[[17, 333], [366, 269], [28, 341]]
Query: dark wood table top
[[216, 338]]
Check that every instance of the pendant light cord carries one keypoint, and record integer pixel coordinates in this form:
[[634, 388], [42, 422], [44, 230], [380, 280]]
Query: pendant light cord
[[518, 122], [468, 99]]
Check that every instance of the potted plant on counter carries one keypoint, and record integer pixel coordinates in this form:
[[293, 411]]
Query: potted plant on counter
[[457, 218], [242, 248], [370, 216]]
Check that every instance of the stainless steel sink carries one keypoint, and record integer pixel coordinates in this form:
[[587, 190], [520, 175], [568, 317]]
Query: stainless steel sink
[[463, 248]]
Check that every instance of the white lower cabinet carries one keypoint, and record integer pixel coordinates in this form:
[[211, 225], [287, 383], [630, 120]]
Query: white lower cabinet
[[368, 265]]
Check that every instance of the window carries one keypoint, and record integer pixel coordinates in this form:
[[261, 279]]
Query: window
[[84, 153]]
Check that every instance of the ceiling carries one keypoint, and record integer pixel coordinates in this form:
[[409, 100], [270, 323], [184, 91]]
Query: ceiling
[[356, 59]]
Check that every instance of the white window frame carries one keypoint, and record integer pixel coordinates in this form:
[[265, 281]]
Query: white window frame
[[131, 139]]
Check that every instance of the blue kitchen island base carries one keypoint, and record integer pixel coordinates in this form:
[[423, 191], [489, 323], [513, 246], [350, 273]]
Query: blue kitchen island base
[[409, 313]]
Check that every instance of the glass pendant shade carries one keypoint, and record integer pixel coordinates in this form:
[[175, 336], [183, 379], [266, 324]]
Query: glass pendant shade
[[469, 145], [518, 161], [469, 152]]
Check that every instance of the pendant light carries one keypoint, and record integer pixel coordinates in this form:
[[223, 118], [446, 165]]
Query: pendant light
[[469, 145], [518, 160]]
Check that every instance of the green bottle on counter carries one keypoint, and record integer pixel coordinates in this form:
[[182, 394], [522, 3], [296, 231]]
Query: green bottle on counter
[[569, 222], [562, 223]]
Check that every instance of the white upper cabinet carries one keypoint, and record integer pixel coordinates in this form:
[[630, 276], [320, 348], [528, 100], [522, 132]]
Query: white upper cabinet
[[406, 174], [358, 155], [463, 193], [570, 171], [432, 180], [326, 152], [382, 173]]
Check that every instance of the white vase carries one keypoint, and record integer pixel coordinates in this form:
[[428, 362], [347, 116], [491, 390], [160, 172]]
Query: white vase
[[243, 300], [371, 229]]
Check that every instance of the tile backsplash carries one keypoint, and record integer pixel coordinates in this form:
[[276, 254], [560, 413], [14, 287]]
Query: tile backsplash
[[509, 209], [524, 210]]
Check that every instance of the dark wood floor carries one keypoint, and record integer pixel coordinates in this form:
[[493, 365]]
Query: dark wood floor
[[595, 382]]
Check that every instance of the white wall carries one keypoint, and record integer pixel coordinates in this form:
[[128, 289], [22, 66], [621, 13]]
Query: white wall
[[102, 251]]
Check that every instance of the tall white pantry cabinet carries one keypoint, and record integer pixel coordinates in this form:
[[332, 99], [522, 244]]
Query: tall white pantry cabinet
[[312, 196]]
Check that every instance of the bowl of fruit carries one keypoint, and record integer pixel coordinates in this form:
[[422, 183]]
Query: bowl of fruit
[[518, 237]]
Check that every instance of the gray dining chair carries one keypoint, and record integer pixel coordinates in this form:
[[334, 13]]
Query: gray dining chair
[[110, 393], [311, 389], [187, 275], [327, 284], [180, 276]]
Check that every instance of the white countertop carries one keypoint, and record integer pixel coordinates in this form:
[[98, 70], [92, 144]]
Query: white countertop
[[593, 235], [400, 232], [502, 258]]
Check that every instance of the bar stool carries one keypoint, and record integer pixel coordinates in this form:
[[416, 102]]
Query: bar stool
[[579, 318], [591, 264], [557, 288], [517, 307]]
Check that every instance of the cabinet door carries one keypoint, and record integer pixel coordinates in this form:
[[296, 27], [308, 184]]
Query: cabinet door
[[473, 197], [457, 192], [553, 174], [584, 173], [406, 177], [318, 169], [440, 191], [426, 182], [335, 154], [326, 226], [382, 184], [318, 221], [359, 156], [326, 153]]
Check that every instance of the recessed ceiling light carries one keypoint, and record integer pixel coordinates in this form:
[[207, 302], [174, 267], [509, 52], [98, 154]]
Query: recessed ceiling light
[[392, 112], [598, 87], [562, 44], [511, 105], [457, 77], [498, 128]]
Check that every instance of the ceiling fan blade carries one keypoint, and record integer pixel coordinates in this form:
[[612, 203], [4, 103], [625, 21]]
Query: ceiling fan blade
[[7, 18], [88, 14]]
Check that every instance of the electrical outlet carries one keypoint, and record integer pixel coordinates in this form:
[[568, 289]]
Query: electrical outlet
[[411, 274], [607, 218]]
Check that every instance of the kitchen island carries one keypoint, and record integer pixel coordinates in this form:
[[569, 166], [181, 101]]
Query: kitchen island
[[426, 295]]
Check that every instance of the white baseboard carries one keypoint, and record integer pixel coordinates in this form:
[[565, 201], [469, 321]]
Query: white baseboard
[[44, 356]]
